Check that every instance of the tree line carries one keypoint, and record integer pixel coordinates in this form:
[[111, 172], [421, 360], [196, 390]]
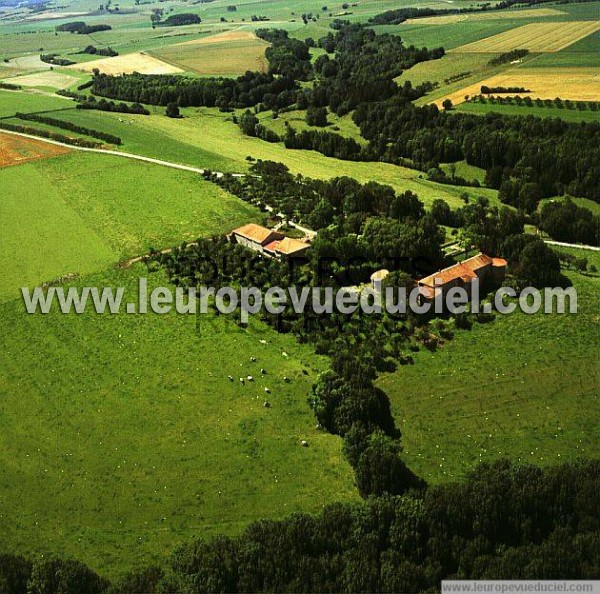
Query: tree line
[[248, 90], [81, 28], [49, 134], [64, 125], [400, 15]]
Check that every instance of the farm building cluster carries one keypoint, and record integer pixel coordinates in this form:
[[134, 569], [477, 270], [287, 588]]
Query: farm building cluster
[[487, 270], [269, 242]]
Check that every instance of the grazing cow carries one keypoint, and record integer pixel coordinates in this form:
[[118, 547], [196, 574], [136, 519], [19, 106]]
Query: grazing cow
[[263, 371], [230, 378], [250, 378], [304, 443], [242, 381], [266, 404], [267, 391]]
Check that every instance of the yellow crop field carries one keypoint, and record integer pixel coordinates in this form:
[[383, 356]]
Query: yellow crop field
[[227, 53], [486, 16], [576, 84], [536, 37], [47, 78], [128, 63]]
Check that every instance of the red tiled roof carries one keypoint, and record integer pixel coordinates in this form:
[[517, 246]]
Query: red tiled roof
[[466, 270], [286, 246], [257, 233]]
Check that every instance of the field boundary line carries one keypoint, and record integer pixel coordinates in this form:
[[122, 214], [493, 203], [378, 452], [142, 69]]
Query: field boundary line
[[134, 156]]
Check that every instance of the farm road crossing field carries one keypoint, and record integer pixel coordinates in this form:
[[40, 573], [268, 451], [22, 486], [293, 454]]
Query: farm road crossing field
[[536, 37]]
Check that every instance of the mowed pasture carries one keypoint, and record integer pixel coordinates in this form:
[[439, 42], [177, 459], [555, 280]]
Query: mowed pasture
[[15, 150], [577, 84], [226, 54], [523, 387], [205, 137], [122, 436], [536, 37], [79, 213], [126, 64]]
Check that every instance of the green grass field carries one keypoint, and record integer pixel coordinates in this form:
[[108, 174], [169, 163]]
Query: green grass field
[[568, 115], [592, 206], [78, 213], [13, 101], [297, 120], [523, 386], [207, 138], [122, 436]]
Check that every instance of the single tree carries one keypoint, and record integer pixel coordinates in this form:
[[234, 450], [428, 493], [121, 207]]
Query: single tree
[[172, 110]]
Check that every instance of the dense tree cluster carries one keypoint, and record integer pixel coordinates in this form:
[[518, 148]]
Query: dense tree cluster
[[527, 158], [251, 126], [55, 60], [508, 57], [179, 20], [100, 51], [160, 89], [81, 28], [360, 67], [64, 125], [286, 56], [563, 220]]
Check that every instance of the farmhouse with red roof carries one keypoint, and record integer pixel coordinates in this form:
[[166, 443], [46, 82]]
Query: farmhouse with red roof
[[268, 242], [486, 269]]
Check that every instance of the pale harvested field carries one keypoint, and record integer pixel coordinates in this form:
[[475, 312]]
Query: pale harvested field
[[536, 37], [54, 15], [48, 78], [128, 63], [15, 150], [577, 84], [491, 15], [237, 35], [227, 53]]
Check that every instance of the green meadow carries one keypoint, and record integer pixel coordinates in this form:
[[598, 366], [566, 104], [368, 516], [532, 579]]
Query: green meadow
[[78, 213], [205, 137], [123, 436], [523, 387]]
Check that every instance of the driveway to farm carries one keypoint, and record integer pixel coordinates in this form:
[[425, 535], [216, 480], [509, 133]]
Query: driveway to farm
[[579, 246]]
